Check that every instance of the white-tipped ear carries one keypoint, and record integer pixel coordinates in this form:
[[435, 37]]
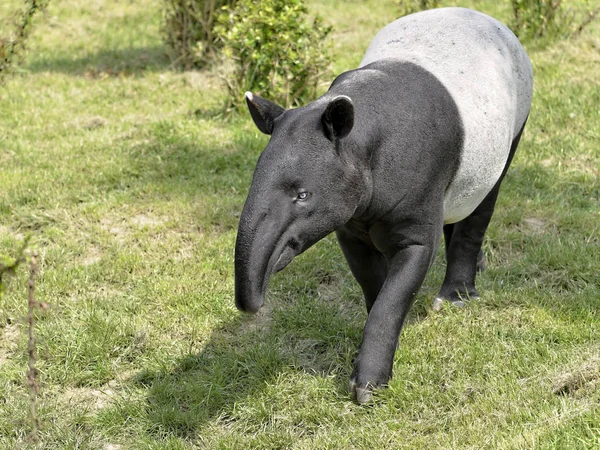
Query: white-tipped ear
[[338, 118], [263, 112]]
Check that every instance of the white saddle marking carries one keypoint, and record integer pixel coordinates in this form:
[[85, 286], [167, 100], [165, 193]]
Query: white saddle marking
[[488, 74]]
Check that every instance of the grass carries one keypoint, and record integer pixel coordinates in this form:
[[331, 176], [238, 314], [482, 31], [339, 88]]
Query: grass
[[131, 187]]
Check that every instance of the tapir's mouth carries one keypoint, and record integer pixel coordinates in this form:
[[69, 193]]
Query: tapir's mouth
[[286, 257], [290, 250]]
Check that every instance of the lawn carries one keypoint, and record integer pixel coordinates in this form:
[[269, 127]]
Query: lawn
[[131, 183]]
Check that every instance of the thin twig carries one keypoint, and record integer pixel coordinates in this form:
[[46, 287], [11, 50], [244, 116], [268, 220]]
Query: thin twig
[[591, 16], [32, 372]]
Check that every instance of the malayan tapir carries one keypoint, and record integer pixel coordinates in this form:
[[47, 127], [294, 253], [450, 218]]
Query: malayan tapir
[[412, 144]]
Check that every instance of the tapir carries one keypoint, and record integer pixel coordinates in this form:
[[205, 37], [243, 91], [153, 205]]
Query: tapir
[[412, 144]]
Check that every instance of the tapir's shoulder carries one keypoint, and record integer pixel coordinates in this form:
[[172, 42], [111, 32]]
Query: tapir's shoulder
[[382, 76], [402, 87]]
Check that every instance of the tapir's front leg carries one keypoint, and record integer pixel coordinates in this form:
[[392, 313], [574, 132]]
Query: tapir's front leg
[[368, 265], [373, 365]]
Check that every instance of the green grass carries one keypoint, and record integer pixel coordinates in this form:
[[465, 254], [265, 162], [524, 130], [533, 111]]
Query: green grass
[[131, 186]]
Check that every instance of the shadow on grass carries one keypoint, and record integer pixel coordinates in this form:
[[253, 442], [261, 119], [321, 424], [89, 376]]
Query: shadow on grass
[[251, 363], [119, 62]]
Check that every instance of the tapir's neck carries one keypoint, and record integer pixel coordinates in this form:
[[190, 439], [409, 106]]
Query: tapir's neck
[[407, 135], [362, 86]]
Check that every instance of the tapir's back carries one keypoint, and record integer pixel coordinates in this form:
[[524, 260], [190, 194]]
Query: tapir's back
[[488, 74]]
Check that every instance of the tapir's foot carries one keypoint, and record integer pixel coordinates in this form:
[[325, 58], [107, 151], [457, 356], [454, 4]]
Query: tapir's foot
[[361, 389], [438, 303], [362, 395], [456, 296]]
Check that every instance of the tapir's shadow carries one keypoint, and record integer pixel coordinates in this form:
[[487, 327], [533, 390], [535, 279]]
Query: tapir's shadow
[[310, 328]]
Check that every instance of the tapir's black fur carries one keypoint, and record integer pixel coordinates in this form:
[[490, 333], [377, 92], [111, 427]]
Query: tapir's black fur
[[372, 160]]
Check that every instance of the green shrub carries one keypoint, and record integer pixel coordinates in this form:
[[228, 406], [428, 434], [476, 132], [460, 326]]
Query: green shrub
[[12, 46], [536, 18], [8, 264], [278, 51], [533, 19], [412, 6], [188, 30]]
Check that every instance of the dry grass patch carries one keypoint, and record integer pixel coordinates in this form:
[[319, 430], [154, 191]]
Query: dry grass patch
[[9, 342], [585, 376], [91, 122]]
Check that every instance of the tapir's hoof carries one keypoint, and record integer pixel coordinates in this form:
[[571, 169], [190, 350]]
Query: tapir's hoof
[[439, 302], [362, 395]]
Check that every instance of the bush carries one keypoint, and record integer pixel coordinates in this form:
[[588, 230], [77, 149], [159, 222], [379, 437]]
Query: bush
[[12, 47], [533, 19], [536, 18], [278, 52], [8, 264], [412, 6], [188, 30]]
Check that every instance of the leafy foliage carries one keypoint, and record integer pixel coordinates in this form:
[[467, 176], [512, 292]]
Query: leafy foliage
[[412, 6], [533, 19], [279, 52], [9, 264], [188, 30], [12, 47], [537, 18]]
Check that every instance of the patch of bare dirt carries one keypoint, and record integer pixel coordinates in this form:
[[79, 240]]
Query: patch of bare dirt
[[91, 123], [143, 220], [183, 253], [574, 380], [536, 225], [93, 256], [259, 321], [581, 163], [119, 227], [115, 227], [202, 80], [6, 231], [9, 341], [93, 399], [329, 289]]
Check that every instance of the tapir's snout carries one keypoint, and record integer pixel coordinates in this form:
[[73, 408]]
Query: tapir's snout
[[254, 267], [248, 302], [250, 308], [258, 252], [249, 279]]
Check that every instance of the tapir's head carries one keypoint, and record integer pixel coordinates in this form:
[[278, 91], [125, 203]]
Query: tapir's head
[[306, 185]]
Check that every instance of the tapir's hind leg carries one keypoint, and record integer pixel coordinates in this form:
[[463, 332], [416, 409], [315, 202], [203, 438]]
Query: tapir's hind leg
[[448, 229], [463, 246]]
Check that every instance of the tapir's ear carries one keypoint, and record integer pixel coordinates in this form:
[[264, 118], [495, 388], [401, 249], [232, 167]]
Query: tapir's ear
[[338, 118], [263, 112]]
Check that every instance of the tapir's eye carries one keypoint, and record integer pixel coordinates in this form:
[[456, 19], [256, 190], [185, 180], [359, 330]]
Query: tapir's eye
[[302, 196]]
